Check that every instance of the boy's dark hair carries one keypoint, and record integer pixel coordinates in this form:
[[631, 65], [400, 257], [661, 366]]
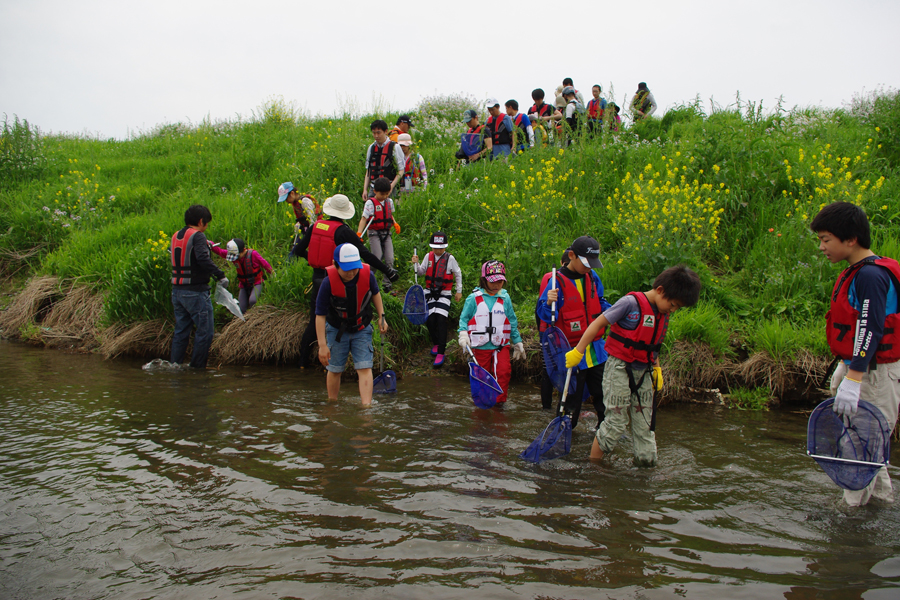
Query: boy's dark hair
[[512, 104], [598, 86], [844, 221], [537, 94], [378, 124], [679, 283], [568, 81], [382, 184], [195, 213]]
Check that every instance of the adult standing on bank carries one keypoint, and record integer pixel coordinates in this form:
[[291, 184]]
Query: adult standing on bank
[[384, 158], [191, 269], [317, 247], [404, 124], [643, 104]]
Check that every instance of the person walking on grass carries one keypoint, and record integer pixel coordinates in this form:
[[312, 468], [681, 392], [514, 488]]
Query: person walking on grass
[[524, 130], [384, 158], [643, 104], [415, 175], [595, 110], [379, 209], [580, 299], [404, 124], [475, 143], [317, 247], [575, 113], [501, 130], [542, 114], [439, 268], [489, 326], [862, 326], [343, 320], [251, 268], [637, 326], [306, 210], [191, 269]]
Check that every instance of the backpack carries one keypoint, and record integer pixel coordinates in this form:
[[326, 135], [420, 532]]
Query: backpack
[[471, 142]]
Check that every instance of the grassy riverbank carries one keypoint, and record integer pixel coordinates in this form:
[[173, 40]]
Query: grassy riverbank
[[729, 192]]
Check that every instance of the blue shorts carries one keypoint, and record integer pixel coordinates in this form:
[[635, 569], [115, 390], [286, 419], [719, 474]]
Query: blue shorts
[[359, 345]]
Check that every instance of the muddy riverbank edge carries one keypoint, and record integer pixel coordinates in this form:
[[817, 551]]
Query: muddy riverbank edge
[[65, 315]]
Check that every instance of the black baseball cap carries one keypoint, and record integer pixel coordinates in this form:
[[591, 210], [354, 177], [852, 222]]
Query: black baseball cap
[[588, 250], [404, 119]]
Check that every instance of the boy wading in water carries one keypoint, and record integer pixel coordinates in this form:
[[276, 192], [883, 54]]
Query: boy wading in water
[[863, 327], [343, 320], [637, 326]]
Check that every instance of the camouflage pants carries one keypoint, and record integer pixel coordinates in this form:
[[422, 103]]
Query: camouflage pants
[[621, 406]]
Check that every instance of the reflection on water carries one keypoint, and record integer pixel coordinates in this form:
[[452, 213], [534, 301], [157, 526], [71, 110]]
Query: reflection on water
[[247, 483]]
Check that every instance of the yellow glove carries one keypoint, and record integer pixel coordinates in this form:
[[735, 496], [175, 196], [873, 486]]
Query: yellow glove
[[573, 358], [656, 376], [397, 227]]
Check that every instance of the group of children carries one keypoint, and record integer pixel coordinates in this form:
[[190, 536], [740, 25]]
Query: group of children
[[507, 130], [615, 348]]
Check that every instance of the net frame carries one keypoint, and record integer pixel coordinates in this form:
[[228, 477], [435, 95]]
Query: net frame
[[851, 450]]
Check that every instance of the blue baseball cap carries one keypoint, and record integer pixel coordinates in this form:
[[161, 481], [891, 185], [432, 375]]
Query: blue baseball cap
[[347, 257], [284, 189]]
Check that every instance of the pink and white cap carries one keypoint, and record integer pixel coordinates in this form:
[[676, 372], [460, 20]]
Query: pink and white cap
[[493, 270]]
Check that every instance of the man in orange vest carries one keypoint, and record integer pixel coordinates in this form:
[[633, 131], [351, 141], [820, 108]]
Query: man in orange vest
[[191, 269]]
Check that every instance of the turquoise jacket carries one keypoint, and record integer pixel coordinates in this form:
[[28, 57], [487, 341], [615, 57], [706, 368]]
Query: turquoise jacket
[[468, 311]]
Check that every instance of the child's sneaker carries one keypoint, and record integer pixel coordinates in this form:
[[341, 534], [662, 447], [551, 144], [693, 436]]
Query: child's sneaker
[[434, 351], [438, 360]]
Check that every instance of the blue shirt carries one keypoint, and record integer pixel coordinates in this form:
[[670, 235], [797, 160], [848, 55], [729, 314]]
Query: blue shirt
[[323, 300], [873, 289]]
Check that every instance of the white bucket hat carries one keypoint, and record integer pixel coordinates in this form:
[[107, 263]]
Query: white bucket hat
[[339, 206]]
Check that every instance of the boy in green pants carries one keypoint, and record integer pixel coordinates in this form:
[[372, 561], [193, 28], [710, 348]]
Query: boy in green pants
[[637, 326]]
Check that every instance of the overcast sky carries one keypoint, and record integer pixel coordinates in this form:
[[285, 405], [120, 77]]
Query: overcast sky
[[114, 68]]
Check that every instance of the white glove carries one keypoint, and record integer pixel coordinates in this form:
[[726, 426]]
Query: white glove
[[847, 398], [223, 282], [464, 339], [518, 351]]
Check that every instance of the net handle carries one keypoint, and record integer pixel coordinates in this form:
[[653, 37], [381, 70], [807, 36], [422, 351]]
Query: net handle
[[553, 306], [562, 401], [848, 460], [415, 271]]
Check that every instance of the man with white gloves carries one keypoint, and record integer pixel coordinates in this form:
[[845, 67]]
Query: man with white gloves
[[863, 326]]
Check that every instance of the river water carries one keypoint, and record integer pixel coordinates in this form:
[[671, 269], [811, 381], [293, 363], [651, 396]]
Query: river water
[[121, 483]]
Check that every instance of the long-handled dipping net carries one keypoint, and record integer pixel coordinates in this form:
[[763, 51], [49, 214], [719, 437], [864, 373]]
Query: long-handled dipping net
[[414, 304], [485, 388], [556, 439], [851, 450]]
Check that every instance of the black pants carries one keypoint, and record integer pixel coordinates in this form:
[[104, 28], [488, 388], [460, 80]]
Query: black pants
[[593, 379], [437, 329], [309, 335]]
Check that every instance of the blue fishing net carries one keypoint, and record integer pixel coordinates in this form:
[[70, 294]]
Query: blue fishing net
[[850, 450], [554, 346], [485, 388], [386, 383], [554, 441], [414, 305]]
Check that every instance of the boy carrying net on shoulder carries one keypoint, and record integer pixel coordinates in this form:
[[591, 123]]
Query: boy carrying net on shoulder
[[637, 326]]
